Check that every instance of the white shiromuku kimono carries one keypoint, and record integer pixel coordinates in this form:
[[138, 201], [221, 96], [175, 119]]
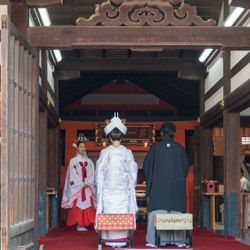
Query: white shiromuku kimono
[[116, 177], [73, 188]]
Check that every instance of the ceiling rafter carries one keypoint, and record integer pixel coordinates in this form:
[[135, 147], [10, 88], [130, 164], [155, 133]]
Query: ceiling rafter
[[187, 90], [159, 89], [82, 87], [175, 89]]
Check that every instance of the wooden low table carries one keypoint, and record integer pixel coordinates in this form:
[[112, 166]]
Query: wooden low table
[[212, 207], [167, 221], [245, 210], [115, 222]]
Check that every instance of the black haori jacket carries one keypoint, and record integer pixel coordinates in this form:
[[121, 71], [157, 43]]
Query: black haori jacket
[[166, 167]]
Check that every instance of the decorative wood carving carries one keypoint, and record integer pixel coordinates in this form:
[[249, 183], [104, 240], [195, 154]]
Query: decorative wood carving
[[144, 13]]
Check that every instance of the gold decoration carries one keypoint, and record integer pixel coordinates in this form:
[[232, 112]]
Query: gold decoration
[[81, 138], [138, 134], [222, 104]]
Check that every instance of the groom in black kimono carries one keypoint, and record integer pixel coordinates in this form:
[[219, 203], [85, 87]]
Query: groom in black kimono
[[166, 167]]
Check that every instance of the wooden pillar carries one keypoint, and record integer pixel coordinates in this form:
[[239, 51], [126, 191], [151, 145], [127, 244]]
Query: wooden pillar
[[227, 72], [43, 130], [44, 71], [53, 165], [70, 151], [206, 154], [232, 221], [56, 95], [202, 97], [19, 15], [197, 178], [52, 175], [42, 172]]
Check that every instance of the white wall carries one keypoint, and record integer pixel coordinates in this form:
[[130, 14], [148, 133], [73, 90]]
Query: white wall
[[214, 99], [215, 74]]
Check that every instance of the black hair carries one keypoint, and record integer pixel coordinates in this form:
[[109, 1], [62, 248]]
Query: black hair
[[79, 142], [242, 171], [116, 134], [168, 129]]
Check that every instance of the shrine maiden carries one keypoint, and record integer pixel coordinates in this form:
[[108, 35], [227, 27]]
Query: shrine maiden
[[78, 194], [116, 176]]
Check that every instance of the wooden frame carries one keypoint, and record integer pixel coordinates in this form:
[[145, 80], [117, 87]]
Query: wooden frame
[[19, 147], [137, 134]]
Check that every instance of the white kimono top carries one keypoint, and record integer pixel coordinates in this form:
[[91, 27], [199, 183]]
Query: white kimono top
[[80, 172], [116, 177], [244, 184]]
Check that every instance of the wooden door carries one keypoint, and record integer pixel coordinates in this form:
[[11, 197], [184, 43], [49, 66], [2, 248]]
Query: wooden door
[[19, 144]]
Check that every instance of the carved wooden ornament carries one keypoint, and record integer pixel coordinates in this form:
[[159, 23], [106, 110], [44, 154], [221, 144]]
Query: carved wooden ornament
[[144, 13]]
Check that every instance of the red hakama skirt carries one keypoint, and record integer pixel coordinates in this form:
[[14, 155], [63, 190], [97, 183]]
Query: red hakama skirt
[[83, 218]]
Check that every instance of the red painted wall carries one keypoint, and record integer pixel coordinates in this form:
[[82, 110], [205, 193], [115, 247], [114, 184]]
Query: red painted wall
[[126, 88]]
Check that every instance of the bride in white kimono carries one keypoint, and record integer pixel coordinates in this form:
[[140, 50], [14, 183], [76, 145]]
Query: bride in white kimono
[[116, 177]]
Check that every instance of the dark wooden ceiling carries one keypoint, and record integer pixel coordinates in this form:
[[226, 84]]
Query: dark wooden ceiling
[[171, 75]]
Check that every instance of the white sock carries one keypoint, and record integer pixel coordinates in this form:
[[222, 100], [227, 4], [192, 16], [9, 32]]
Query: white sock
[[78, 228], [150, 245], [181, 245]]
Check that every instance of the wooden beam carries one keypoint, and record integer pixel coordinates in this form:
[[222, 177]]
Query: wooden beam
[[240, 3], [143, 38], [212, 117], [129, 64], [214, 89], [239, 99], [240, 65], [145, 115], [236, 101], [190, 75], [43, 3]]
